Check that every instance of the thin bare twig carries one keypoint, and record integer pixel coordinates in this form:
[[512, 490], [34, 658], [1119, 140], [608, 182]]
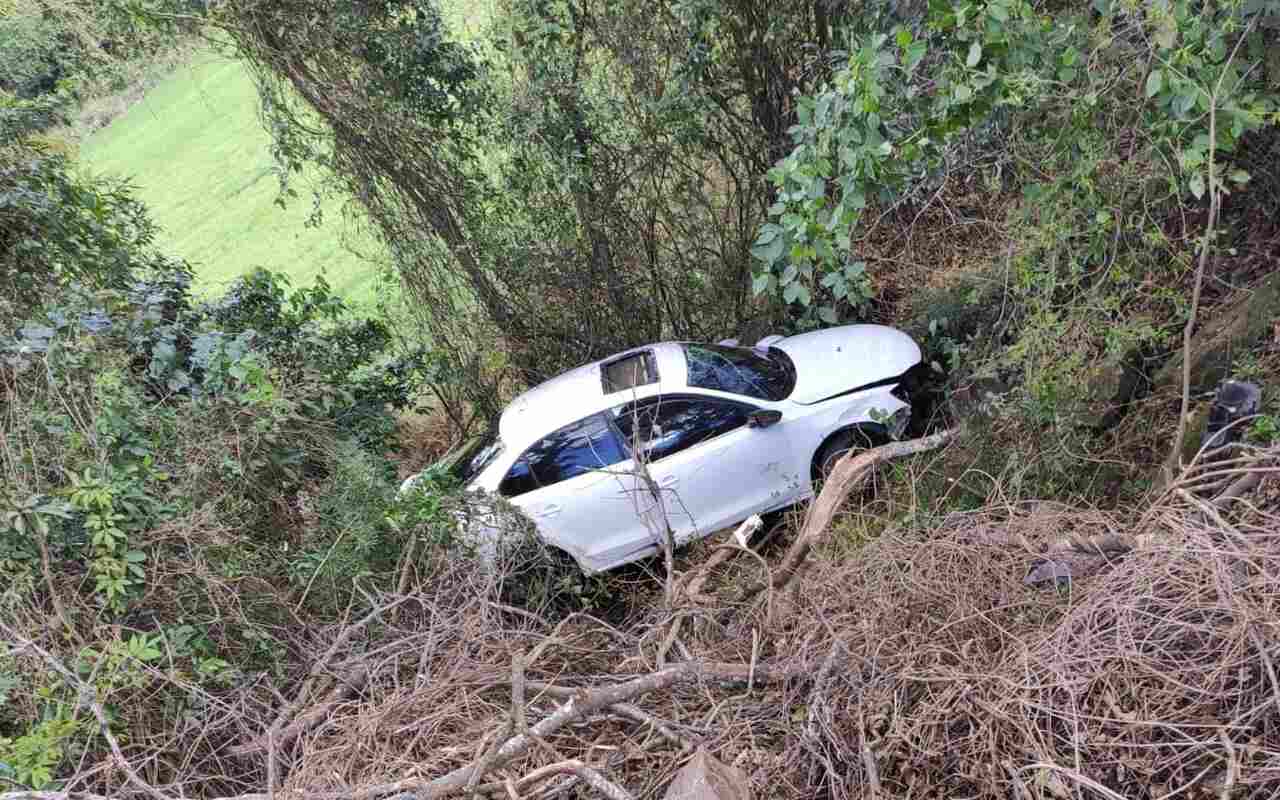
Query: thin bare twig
[[1210, 233]]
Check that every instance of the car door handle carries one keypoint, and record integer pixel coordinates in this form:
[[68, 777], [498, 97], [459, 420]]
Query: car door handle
[[667, 481], [549, 510]]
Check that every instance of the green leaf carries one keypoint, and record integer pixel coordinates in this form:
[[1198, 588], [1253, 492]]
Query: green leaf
[[1197, 185], [826, 253], [1155, 82], [1186, 100], [915, 54], [1239, 176], [998, 12], [760, 283], [789, 274], [822, 108], [791, 293], [771, 252], [975, 54], [964, 93], [828, 315]]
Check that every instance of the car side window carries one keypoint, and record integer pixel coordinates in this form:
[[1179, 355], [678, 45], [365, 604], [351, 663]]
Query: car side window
[[666, 425], [582, 447]]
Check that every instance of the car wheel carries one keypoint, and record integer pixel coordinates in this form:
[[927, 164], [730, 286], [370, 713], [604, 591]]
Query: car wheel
[[839, 446], [831, 453]]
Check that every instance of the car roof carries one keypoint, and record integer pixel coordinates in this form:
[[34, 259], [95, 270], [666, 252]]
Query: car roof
[[580, 393]]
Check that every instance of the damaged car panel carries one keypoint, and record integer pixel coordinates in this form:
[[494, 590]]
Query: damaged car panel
[[725, 432], [837, 360]]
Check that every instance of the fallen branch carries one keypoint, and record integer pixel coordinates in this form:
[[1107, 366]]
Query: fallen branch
[[281, 732], [588, 775], [86, 697], [697, 580], [633, 712], [849, 472], [582, 703], [350, 683]]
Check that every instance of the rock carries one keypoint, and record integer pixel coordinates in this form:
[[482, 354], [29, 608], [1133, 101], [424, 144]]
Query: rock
[[1111, 386], [706, 777], [1241, 323]]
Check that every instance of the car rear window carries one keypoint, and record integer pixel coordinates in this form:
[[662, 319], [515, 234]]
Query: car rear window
[[475, 456], [741, 370]]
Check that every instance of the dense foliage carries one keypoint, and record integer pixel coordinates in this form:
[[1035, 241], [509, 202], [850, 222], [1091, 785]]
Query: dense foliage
[[1043, 102], [581, 164], [705, 169], [155, 447]]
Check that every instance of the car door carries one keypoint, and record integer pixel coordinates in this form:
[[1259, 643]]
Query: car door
[[712, 468], [577, 487]]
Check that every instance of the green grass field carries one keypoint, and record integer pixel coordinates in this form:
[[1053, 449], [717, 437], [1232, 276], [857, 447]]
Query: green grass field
[[200, 160]]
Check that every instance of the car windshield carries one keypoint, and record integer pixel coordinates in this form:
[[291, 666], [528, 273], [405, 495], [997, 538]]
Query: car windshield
[[475, 455], [740, 370]]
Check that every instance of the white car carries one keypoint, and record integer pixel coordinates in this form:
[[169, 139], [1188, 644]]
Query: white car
[[726, 432]]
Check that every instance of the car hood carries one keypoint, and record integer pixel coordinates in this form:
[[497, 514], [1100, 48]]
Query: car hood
[[837, 360]]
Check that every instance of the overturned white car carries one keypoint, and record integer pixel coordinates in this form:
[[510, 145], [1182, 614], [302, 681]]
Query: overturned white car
[[725, 431]]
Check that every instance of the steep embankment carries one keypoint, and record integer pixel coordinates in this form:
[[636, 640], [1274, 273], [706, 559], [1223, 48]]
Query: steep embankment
[[201, 160]]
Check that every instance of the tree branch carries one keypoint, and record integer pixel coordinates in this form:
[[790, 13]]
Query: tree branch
[[848, 473], [87, 697], [1210, 230]]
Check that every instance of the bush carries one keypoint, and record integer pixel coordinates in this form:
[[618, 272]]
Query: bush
[[57, 228], [180, 478]]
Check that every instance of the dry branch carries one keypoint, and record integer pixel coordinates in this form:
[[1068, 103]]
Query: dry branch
[[582, 704], [849, 473], [1210, 233], [281, 732], [588, 775], [348, 685]]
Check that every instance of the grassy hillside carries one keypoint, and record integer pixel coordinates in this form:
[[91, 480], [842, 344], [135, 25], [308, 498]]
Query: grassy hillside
[[201, 161]]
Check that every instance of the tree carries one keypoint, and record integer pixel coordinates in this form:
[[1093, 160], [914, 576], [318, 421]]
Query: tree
[[601, 191]]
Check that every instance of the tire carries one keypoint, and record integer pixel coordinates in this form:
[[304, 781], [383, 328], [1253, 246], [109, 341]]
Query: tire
[[841, 444]]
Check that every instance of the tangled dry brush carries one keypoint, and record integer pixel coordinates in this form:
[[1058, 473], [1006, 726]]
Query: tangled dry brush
[[926, 666]]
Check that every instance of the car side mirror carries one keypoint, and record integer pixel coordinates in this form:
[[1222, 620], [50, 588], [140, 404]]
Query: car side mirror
[[763, 418]]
